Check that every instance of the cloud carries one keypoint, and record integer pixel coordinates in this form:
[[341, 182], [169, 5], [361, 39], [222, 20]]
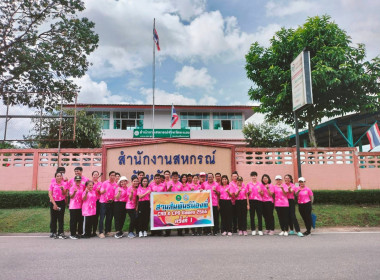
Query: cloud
[[208, 100], [284, 8], [191, 78], [162, 97]]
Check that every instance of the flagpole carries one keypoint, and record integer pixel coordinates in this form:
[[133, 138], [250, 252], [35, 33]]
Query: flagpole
[[171, 125], [154, 71]]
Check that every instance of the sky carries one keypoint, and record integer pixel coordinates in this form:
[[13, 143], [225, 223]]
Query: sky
[[203, 45]]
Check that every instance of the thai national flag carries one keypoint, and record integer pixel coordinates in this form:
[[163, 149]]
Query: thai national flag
[[373, 135], [155, 38], [174, 117]]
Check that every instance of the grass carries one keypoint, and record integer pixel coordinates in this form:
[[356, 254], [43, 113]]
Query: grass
[[38, 219]]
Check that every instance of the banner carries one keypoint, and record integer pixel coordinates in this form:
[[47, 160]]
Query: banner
[[161, 133], [172, 210]]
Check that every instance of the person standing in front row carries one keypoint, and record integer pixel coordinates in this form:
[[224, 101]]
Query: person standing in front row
[[57, 195], [120, 205], [107, 195], [282, 205], [293, 222], [143, 193], [131, 206], [76, 218], [157, 186], [225, 197], [267, 190], [213, 187], [96, 188], [255, 203], [233, 184], [174, 186], [89, 199], [241, 196], [305, 199]]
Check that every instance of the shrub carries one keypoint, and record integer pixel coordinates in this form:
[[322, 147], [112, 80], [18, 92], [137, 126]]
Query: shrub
[[24, 199], [347, 197]]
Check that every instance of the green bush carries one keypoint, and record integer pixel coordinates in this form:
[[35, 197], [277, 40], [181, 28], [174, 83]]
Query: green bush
[[27, 199], [24, 199], [347, 197]]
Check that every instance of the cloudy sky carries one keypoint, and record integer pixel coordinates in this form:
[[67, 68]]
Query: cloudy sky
[[203, 45]]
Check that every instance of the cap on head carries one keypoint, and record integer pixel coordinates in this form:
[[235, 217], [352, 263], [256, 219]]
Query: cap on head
[[278, 177], [202, 174], [122, 178], [240, 178], [301, 179], [77, 178]]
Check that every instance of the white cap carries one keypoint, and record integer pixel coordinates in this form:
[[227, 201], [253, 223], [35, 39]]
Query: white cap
[[278, 177], [122, 178], [202, 174], [301, 179]]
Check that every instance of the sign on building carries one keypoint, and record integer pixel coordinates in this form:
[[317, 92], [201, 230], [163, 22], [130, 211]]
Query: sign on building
[[301, 81], [161, 133]]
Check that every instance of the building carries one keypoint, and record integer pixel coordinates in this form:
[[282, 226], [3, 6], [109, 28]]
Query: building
[[130, 122]]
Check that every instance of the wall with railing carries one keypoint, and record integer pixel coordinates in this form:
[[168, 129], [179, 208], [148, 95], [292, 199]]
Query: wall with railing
[[323, 168], [33, 169]]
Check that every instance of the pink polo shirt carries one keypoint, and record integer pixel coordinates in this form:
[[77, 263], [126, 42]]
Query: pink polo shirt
[[243, 192], [110, 191], [266, 197], [280, 199], [82, 183], [63, 181], [157, 188], [57, 191], [223, 192], [291, 193], [76, 201], [214, 186], [186, 187], [233, 188], [304, 195], [254, 191], [194, 187], [176, 187], [96, 188], [123, 194], [89, 205], [131, 203], [141, 191]]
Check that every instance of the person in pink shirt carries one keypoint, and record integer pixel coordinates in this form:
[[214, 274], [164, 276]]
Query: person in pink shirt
[[281, 204], [96, 188], [305, 199], [157, 186], [89, 199], [267, 192], [76, 218], [131, 205], [189, 178], [213, 187], [183, 181], [61, 170], [218, 178], [174, 186], [78, 172], [119, 204], [225, 196], [233, 184], [255, 203], [167, 175], [107, 195], [57, 195], [293, 222], [241, 196], [143, 193], [194, 186]]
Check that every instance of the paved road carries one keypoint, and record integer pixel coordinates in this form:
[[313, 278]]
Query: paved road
[[320, 256]]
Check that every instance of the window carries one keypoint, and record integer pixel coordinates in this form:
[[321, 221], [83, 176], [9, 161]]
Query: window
[[227, 121], [128, 120], [195, 121], [105, 116]]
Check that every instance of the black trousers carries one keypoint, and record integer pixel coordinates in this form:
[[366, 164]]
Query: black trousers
[[57, 216], [89, 222], [95, 224], [241, 208], [268, 215], [226, 214], [305, 211], [215, 213], [283, 217], [120, 214], [144, 215], [256, 206], [234, 218], [106, 211], [76, 222], [293, 222], [132, 219]]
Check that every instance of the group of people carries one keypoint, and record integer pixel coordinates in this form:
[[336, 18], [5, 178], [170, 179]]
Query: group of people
[[94, 204]]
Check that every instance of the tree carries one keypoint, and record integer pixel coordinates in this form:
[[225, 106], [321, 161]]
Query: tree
[[342, 81], [88, 131], [265, 135], [43, 44]]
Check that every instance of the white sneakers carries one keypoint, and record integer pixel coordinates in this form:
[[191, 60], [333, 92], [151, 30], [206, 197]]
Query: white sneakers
[[253, 232], [141, 234], [261, 233], [285, 233], [145, 234], [281, 233]]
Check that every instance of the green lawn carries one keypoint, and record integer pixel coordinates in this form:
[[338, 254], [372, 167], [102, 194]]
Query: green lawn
[[38, 219]]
